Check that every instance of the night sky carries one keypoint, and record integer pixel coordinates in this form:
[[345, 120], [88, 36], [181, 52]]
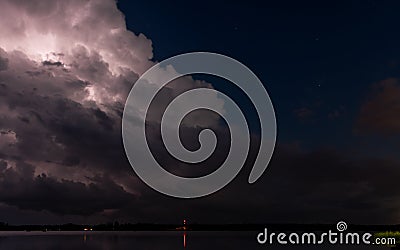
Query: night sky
[[331, 68]]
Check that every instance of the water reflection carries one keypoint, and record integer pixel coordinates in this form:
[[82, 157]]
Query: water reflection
[[144, 240]]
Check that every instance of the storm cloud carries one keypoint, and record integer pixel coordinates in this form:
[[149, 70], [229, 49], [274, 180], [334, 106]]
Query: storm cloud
[[66, 68]]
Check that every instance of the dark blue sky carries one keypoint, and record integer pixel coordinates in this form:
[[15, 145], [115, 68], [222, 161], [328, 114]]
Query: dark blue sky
[[318, 59]]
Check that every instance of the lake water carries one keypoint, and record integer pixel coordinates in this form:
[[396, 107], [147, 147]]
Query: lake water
[[143, 240]]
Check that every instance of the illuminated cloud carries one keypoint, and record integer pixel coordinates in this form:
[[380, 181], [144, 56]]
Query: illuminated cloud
[[39, 28], [66, 68]]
